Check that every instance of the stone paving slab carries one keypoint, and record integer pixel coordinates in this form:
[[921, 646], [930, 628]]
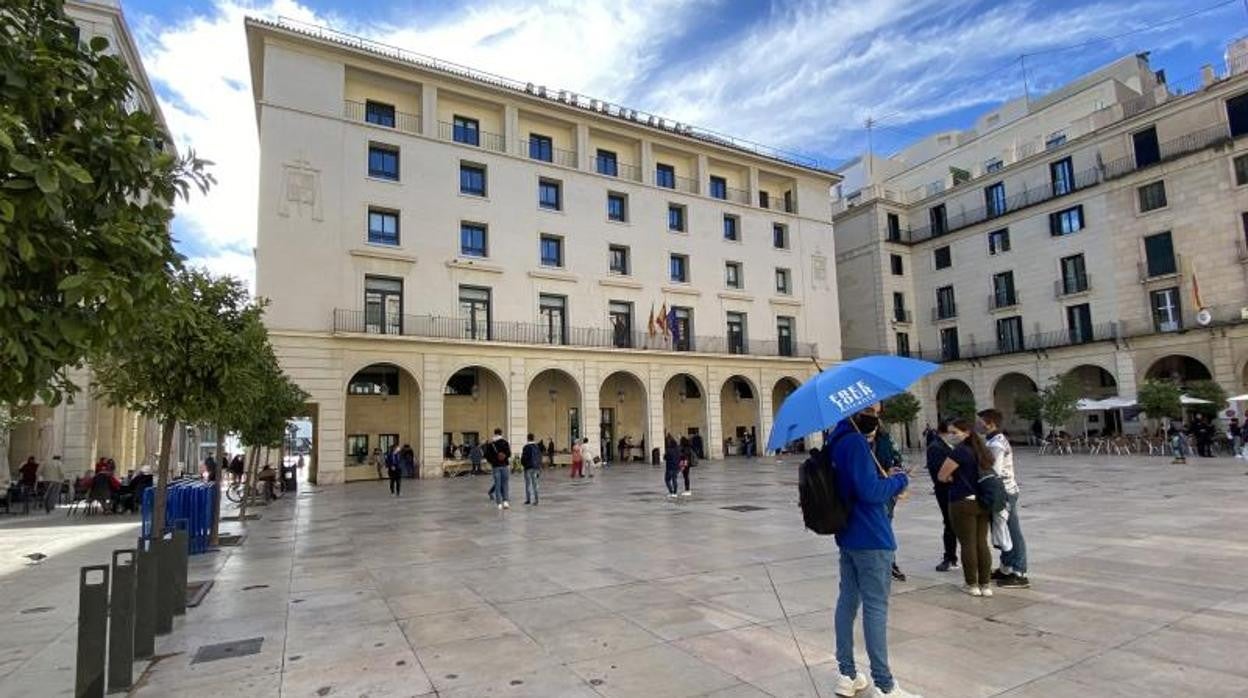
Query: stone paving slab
[[609, 589]]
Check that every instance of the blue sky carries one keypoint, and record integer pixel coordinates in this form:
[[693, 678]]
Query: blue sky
[[798, 75]]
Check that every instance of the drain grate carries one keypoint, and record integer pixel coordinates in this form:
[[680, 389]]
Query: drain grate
[[250, 517], [743, 507], [229, 540], [227, 650], [37, 609], [249, 587], [196, 591]]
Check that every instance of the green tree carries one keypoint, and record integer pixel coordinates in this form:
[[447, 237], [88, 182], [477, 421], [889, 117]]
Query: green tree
[[1059, 400], [175, 366], [1207, 390], [902, 408], [1160, 399], [958, 406], [87, 187], [279, 399], [1030, 407]]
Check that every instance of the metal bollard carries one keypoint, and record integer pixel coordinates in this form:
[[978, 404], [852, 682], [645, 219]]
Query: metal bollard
[[92, 629], [181, 559], [121, 621], [164, 584], [145, 601]]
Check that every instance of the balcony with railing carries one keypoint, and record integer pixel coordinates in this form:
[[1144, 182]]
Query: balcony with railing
[[777, 203], [671, 181], [1003, 299], [1188, 143], [456, 133], [944, 311], [1159, 269], [1071, 285], [397, 120], [901, 315], [465, 329], [543, 151], [614, 168], [740, 196], [1039, 341]]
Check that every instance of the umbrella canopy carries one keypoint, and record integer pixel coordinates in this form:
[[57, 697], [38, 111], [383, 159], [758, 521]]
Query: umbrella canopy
[[840, 391], [1187, 400], [1238, 398]]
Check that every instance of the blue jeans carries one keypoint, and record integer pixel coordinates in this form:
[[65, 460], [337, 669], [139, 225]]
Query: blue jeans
[[530, 484], [865, 580], [669, 478], [502, 474], [1016, 558]]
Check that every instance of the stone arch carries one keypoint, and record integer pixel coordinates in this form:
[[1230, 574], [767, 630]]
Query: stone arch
[[624, 414], [783, 388], [739, 404], [474, 404], [555, 407], [1094, 381], [685, 408], [1179, 368], [382, 409], [1006, 393], [952, 389]]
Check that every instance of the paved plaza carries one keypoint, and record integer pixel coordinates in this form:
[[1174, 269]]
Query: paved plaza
[[609, 589]]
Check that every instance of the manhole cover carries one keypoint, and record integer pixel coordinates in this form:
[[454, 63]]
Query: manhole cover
[[196, 591], [226, 650], [743, 507], [227, 540], [37, 609]]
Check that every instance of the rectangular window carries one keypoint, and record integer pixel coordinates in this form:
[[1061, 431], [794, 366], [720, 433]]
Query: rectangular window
[[764, 199], [784, 335], [665, 176], [552, 311], [383, 305], [731, 226], [682, 331], [1003, 295], [938, 220], [606, 163], [383, 226], [719, 187], [1147, 151], [1079, 323], [471, 179], [618, 259], [780, 236], [357, 447], [732, 274], [473, 240], [541, 148], [549, 195], [620, 315], [994, 199], [466, 131], [676, 217], [1074, 275], [993, 165], [999, 241], [678, 268], [942, 257], [552, 251], [899, 307], [946, 305], [902, 340], [474, 311], [1152, 196], [379, 113], [1159, 253], [736, 333], [1055, 140], [1062, 175], [784, 282], [788, 201], [949, 350], [1241, 170], [1066, 221], [894, 227], [383, 162], [1166, 312], [617, 207], [1237, 115], [1010, 334], [897, 265]]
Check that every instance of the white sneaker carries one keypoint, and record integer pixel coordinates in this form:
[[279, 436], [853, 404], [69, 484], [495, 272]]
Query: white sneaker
[[506, 505], [972, 589], [848, 687], [686, 493], [899, 692], [500, 507], [985, 590], [671, 495]]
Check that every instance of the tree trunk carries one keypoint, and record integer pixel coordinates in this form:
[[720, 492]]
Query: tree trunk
[[247, 480], [216, 505], [162, 477]]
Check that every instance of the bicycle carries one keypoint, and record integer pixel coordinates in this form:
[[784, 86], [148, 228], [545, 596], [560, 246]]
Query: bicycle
[[271, 490]]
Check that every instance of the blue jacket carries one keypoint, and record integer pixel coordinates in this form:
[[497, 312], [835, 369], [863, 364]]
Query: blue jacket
[[867, 492]]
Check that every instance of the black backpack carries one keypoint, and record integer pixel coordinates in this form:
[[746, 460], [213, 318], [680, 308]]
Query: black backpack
[[824, 511]]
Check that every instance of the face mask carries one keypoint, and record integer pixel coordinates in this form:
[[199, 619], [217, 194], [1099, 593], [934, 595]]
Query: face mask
[[866, 423], [954, 439]]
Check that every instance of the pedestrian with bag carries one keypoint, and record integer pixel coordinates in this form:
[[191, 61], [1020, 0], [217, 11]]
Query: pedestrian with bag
[[938, 451], [531, 461], [394, 469], [1012, 573], [671, 465], [498, 454], [971, 504]]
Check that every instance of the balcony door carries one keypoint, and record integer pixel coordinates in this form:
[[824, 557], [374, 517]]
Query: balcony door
[[474, 311], [383, 305]]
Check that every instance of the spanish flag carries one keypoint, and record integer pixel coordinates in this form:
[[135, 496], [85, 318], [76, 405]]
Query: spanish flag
[[650, 324], [1200, 303], [661, 320]]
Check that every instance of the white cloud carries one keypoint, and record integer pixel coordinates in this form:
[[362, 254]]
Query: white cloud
[[227, 262]]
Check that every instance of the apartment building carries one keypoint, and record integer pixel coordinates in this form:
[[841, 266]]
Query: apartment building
[[1098, 230], [80, 432], [448, 252]]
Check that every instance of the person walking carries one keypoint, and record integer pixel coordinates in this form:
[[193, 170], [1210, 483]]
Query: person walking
[[408, 459], [1178, 443], [686, 461], [671, 465], [938, 451], [1012, 573], [378, 461], [475, 455], [1235, 433], [498, 453], [578, 460], [962, 470], [531, 461], [867, 548]]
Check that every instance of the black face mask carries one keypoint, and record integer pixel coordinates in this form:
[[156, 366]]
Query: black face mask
[[866, 423]]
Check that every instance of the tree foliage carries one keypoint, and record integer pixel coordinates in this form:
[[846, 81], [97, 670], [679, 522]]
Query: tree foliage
[[1207, 390], [1030, 407], [1059, 400], [901, 408], [958, 406], [87, 187], [1160, 399]]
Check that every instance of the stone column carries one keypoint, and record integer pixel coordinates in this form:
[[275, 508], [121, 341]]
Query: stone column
[[429, 110], [1125, 372], [655, 406], [584, 158], [511, 129], [647, 165], [701, 175], [591, 414], [752, 185], [431, 403], [517, 403], [712, 396]]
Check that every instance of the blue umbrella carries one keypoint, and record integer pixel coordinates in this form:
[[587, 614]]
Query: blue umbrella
[[841, 391]]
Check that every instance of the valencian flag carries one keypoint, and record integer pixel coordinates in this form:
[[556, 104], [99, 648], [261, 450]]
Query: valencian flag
[[1200, 303], [673, 326], [661, 319], [650, 324]]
